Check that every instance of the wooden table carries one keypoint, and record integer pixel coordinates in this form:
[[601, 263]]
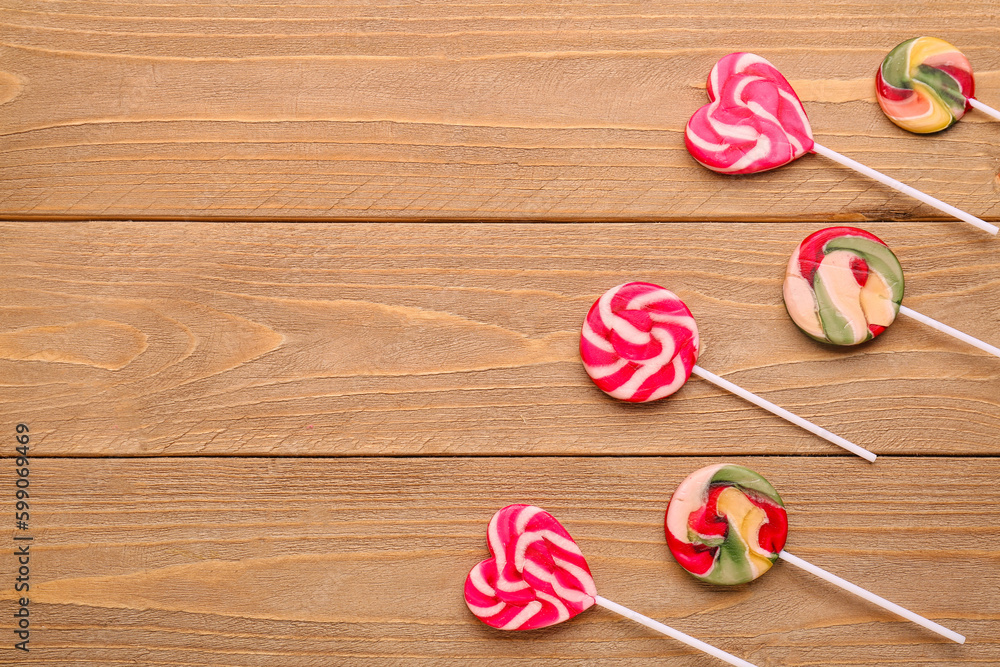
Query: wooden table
[[274, 442]]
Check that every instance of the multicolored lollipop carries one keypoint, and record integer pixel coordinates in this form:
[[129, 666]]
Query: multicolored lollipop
[[640, 343], [725, 524], [844, 286], [754, 121], [537, 577], [926, 85]]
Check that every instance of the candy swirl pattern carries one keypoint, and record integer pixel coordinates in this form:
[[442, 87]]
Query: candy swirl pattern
[[537, 575], [639, 342], [753, 122], [843, 286], [725, 524], [924, 85]]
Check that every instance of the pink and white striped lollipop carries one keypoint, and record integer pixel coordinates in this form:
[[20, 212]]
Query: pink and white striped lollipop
[[754, 121], [640, 343], [537, 577]]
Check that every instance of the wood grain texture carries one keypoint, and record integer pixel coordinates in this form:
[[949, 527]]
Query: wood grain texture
[[279, 444], [442, 110], [159, 562], [177, 339]]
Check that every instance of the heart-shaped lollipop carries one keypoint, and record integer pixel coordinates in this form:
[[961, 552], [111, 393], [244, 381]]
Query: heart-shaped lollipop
[[753, 122], [725, 524], [537, 577]]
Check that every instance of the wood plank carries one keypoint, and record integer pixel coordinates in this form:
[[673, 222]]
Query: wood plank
[[140, 339], [487, 110], [161, 562]]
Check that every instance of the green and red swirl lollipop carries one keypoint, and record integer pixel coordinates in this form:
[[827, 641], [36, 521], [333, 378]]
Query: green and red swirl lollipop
[[726, 525], [844, 286], [926, 85]]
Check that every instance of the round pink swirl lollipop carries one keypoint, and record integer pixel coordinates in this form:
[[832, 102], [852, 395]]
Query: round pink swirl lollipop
[[537, 577], [754, 122], [639, 342]]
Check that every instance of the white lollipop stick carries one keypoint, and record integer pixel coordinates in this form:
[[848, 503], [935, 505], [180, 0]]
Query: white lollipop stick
[[906, 189], [670, 632], [871, 597], [783, 413], [944, 328], [988, 110]]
